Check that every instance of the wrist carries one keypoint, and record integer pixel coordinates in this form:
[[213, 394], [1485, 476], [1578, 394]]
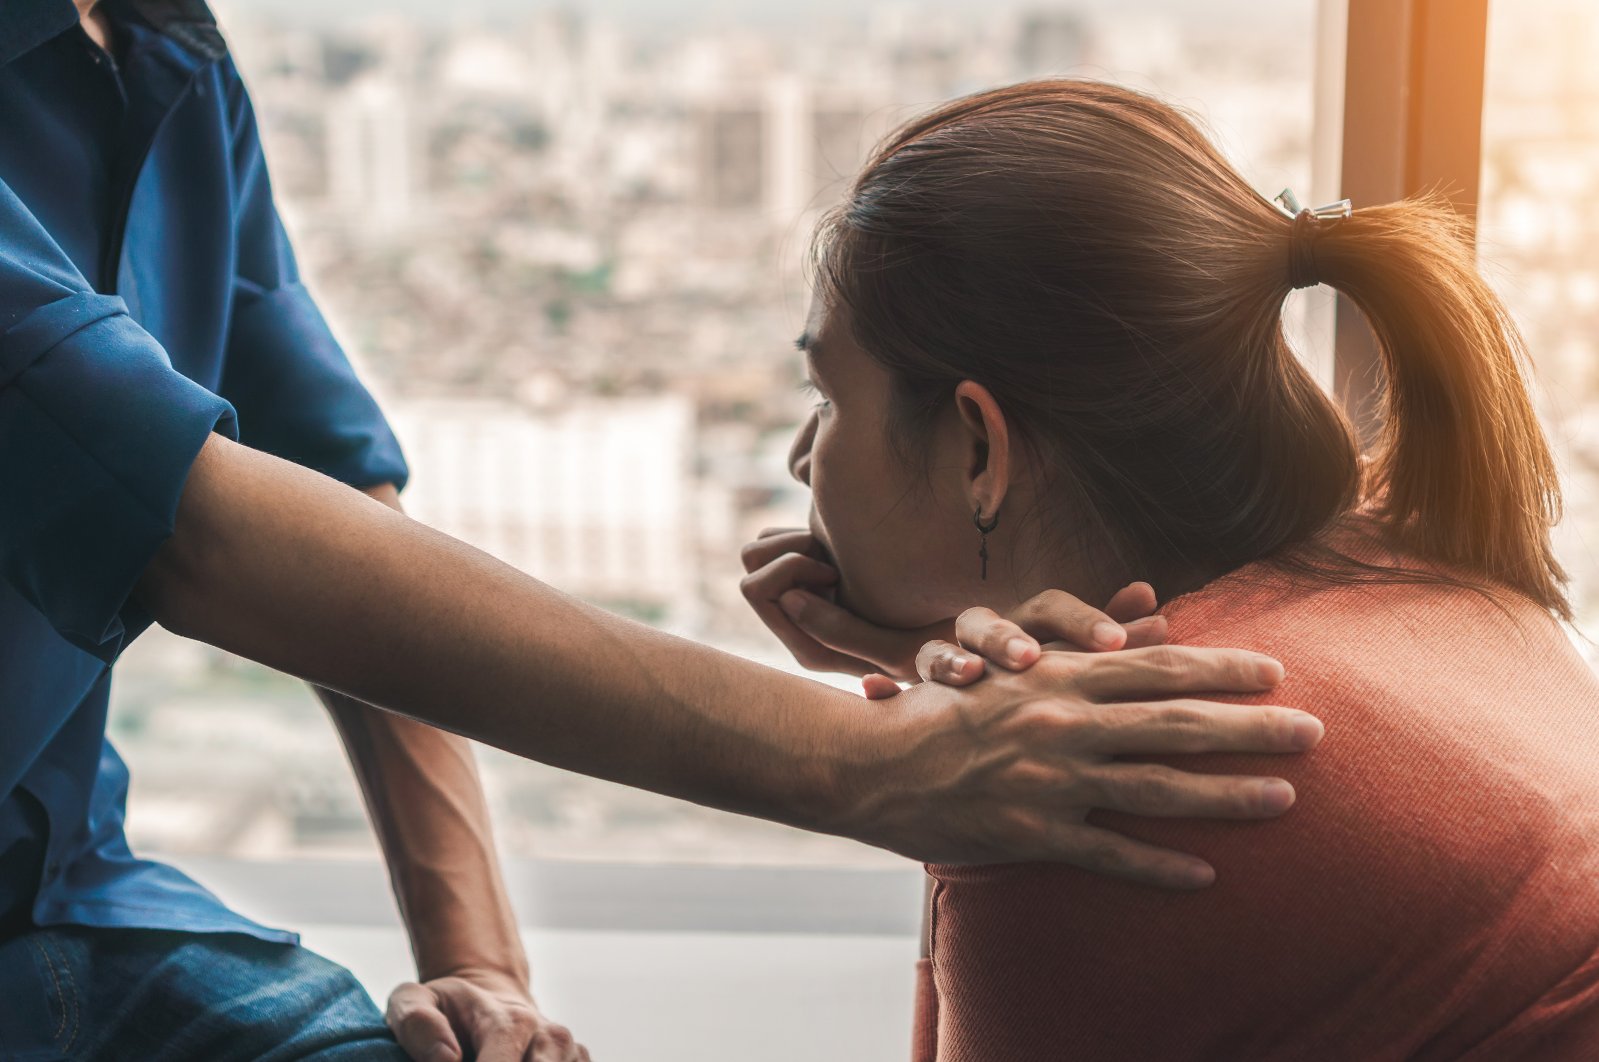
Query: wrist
[[502, 972], [502, 958], [869, 774]]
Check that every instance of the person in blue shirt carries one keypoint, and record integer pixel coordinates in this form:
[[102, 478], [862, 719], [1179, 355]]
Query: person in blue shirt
[[180, 434]]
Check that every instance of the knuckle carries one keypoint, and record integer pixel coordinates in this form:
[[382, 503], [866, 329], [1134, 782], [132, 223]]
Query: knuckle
[[1105, 855], [1167, 660], [1242, 670], [1246, 798], [1182, 717], [558, 1036], [1067, 667], [1278, 726], [1153, 791], [1052, 726], [1052, 602], [1072, 723], [1022, 829], [1137, 716]]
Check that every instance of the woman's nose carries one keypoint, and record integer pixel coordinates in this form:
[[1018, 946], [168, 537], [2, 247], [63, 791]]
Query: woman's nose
[[799, 455]]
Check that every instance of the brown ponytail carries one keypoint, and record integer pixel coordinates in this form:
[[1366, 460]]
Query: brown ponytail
[[1085, 253], [1461, 471]]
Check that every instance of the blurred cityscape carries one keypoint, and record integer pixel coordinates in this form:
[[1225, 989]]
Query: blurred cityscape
[[566, 252]]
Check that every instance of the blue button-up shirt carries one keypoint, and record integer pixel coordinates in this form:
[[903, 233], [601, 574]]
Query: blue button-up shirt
[[148, 297]]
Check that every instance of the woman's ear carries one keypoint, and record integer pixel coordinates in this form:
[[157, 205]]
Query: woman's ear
[[988, 444]]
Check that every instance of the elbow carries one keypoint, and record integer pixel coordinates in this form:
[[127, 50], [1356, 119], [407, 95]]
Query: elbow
[[171, 589], [180, 584]]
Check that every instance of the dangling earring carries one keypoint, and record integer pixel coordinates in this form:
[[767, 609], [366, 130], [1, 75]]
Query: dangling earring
[[984, 528]]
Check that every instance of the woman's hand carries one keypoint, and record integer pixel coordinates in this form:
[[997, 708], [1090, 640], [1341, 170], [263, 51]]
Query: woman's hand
[[477, 1014], [1053, 620], [790, 584]]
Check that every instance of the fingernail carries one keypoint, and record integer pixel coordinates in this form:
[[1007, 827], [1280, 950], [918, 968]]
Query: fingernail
[[1307, 730], [1276, 795], [792, 603], [1199, 875], [958, 663], [1271, 671], [1018, 648], [1105, 633]]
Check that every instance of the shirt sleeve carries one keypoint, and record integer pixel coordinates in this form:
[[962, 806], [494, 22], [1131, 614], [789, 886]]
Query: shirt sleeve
[[97, 435], [296, 394]]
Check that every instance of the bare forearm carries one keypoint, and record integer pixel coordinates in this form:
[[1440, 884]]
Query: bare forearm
[[422, 792], [286, 567], [426, 804]]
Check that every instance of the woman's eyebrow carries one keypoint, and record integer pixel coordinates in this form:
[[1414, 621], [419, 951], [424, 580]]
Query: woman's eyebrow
[[808, 344]]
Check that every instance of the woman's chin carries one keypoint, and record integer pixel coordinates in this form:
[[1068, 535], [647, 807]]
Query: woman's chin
[[886, 609]]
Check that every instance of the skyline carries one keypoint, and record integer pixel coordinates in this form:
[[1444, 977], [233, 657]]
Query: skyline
[[738, 12]]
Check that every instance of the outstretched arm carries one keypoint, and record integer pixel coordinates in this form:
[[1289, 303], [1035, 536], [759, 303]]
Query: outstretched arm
[[286, 567]]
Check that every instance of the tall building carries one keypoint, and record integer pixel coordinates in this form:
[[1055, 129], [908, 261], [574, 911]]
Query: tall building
[[373, 153], [593, 497], [784, 146]]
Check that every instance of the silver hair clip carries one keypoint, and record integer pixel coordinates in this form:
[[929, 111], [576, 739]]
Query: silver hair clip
[[1289, 206]]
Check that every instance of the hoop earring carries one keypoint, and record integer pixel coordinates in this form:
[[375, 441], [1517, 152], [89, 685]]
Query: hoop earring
[[982, 548]]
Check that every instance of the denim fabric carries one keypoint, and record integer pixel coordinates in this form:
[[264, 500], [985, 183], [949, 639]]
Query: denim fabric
[[144, 995]]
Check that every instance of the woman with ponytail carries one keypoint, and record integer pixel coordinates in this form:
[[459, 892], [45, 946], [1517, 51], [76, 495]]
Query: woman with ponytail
[[1048, 346]]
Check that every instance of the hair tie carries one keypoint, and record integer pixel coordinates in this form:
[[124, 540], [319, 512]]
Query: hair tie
[[1302, 270]]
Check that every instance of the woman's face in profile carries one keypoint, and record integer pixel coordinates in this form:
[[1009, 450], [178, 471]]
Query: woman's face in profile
[[903, 541]]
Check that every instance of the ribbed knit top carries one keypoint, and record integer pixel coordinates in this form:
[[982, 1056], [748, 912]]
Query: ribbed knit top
[[1433, 893]]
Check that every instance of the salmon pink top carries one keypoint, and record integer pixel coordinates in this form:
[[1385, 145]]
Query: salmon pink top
[[1432, 894]]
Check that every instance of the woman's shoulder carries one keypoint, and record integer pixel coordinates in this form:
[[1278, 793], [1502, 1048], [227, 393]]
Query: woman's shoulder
[[1353, 589]]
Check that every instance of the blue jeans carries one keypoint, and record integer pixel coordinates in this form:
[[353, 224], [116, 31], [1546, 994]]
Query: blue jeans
[[144, 995]]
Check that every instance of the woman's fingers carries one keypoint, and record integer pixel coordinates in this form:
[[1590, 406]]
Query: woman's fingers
[[984, 635], [1013, 641], [889, 650], [1133, 601], [1168, 670], [1151, 630], [879, 687], [946, 662], [765, 590], [1055, 614], [1164, 792], [996, 639], [773, 542]]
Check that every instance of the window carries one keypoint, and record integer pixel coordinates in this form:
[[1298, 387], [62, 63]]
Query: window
[[564, 248], [1538, 237]]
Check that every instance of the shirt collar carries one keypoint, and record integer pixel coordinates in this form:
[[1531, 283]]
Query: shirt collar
[[26, 24]]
